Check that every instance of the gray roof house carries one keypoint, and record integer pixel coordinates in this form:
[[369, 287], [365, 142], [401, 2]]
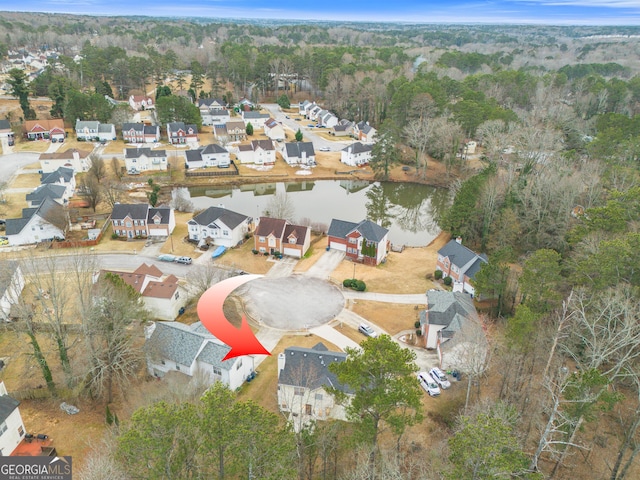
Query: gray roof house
[[365, 242], [47, 221], [451, 325], [55, 192], [212, 155], [87, 130], [303, 382], [62, 175], [299, 153], [106, 132], [219, 226], [461, 264], [191, 350]]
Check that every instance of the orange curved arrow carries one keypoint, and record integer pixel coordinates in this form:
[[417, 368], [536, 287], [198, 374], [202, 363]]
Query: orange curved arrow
[[242, 341]]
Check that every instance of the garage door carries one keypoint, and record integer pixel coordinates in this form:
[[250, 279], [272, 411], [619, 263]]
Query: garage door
[[292, 252], [338, 246]]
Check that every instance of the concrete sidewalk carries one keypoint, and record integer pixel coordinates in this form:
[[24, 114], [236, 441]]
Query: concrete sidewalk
[[409, 298], [332, 335]]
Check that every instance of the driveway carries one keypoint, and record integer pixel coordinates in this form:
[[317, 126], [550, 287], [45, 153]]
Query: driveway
[[282, 268], [408, 298], [325, 265]]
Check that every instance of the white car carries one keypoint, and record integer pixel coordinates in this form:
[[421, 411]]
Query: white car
[[428, 384], [324, 149], [367, 330], [440, 377]]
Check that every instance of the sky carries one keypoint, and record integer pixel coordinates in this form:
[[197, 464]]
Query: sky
[[556, 12]]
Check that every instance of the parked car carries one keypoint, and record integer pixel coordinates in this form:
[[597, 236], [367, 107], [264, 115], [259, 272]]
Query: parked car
[[310, 125], [367, 330], [440, 377], [287, 117], [428, 384], [184, 260], [297, 119], [4, 241], [324, 149]]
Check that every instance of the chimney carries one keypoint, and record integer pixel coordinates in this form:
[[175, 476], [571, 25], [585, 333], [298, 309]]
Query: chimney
[[281, 361], [459, 240]]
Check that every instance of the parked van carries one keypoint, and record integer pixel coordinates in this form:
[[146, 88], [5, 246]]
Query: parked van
[[184, 260]]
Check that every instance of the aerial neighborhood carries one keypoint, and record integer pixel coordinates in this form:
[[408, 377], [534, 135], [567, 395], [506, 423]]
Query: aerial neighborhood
[[307, 250]]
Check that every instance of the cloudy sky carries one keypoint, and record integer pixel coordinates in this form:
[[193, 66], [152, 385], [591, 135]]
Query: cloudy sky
[[576, 12]]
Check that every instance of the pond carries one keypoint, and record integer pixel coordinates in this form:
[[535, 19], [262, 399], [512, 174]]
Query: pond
[[408, 210]]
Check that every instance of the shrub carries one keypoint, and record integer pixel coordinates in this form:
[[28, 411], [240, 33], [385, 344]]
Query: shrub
[[114, 236], [266, 254], [418, 332], [448, 281], [347, 282], [254, 251], [417, 324], [360, 286], [437, 274]]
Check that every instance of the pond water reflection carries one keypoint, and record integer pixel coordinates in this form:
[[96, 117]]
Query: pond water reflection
[[408, 210]]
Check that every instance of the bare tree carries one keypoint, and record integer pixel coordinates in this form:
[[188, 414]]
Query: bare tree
[[100, 463], [91, 190], [117, 169], [280, 205], [180, 200], [112, 192], [109, 328], [98, 168], [202, 277], [415, 135]]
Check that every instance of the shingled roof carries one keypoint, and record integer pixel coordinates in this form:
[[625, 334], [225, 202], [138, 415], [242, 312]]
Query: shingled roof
[[369, 230], [211, 214], [309, 367]]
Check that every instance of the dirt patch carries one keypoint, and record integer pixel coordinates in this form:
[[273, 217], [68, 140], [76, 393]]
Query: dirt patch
[[404, 272], [394, 318]]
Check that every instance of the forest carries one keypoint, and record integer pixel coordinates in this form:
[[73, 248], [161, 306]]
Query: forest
[[556, 207]]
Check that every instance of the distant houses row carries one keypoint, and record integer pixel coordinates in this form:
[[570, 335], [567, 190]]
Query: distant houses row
[[361, 131]]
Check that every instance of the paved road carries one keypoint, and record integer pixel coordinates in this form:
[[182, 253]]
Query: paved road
[[11, 163], [309, 133]]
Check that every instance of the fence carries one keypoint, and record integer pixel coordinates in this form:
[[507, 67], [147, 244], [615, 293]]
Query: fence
[[233, 170], [83, 243]]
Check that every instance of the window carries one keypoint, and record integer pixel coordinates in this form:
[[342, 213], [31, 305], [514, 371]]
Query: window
[[239, 364], [261, 239], [163, 362], [353, 240], [3, 428], [217, 371], [319, 396], [307, 409], [129, 224], [177, 367], [225, 233], [20, 430], [293, 240], [177, 295], [298, 391]]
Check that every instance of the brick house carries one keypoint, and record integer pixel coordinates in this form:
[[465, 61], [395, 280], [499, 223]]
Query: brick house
[[278, 235], [365, 242]]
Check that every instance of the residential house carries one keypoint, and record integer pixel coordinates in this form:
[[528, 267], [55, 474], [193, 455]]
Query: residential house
[[212, 155], [328, 120], [299, 153], [179, 133], [451, 325], [215, 116], [141, 102], [304, 107], [87, 130], [260, 152], [45, 129], [313, 112], [245, 105], [278, 235], [461, 264], [219, 226], [11, 286], [77, 160], [106, 132], [62, 176], [193, 350], [303, 382], [12, 429], [6, 132], [356, 154], [140, 133], [365, 132], [232, 131], [211, 103], [48, 221], [256, 119], [161, 293], [140, 220], [365, 242], [141, 159], [344, 128], [57, 193], [274, 130]]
